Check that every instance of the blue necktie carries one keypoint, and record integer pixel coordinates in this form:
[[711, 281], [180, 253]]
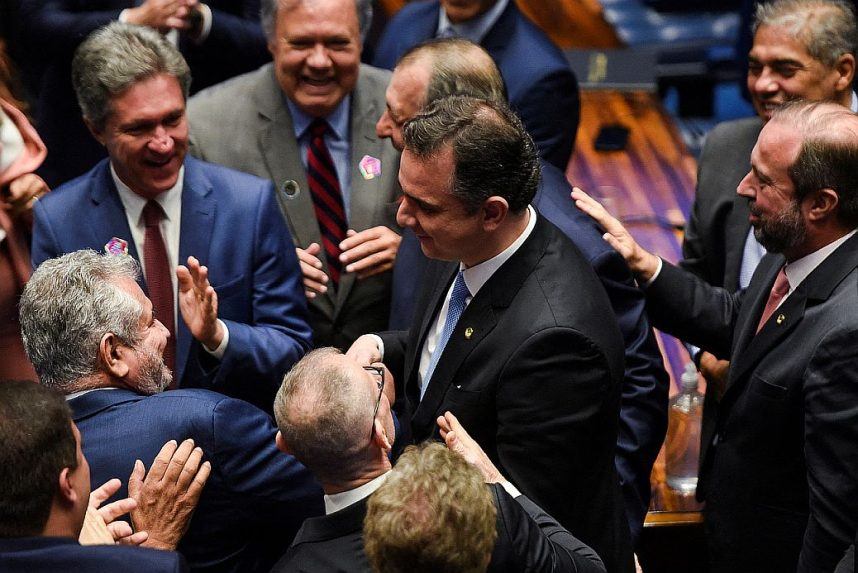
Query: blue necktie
[[454, 311]]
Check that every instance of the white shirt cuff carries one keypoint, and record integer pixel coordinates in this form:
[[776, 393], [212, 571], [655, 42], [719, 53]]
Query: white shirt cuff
[[207, 23], [510, 489], [380, 343], [655, 274], [123, 16], [219, 351]]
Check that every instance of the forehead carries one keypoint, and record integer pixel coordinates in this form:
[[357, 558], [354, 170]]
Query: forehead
[[148, 98], [409, 83], [428, 174], [778, 145], [318, 18], [773, 43]]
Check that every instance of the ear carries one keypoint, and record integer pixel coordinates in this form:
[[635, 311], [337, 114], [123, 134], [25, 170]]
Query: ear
[[66, 494], [281, 444], [845, 68], [821, 205], [112, 353], [494, 212], [98, 134], [380, 437]]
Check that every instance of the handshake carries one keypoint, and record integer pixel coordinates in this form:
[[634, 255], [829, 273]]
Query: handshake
[[165, 15]]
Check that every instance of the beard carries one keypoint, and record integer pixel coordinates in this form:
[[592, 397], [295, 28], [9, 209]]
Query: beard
[[153, 375], [783, 231]]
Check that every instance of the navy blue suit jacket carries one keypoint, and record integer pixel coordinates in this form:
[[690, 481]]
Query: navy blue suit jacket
[[51, 554], [54, 28], [231, 223], [643, 408], [541, 87], [256, 497]]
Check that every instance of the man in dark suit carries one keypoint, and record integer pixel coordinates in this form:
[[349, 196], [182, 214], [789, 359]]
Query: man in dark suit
[[307, 123], [542, 89], [802, 49], [45, 493], [779, 452], [243, 317], [447, 67], [532, 369], [324, 409], [112, 373], [219, 38]]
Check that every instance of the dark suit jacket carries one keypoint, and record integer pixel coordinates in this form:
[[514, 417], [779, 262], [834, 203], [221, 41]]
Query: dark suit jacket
[[643, 407], [779, 454], [262, 142], [51, 554], [231, 223], [537, 383], [540, 85], [54, 28], [716, 232], [256, 496], [528, 540]]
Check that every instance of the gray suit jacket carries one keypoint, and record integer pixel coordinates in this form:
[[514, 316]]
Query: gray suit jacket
[[245, 124], [715, 235]]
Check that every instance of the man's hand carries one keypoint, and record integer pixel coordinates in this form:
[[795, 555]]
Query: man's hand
[[198, 303], [459, 441], [23, 193], [315, 281], [715, 372], [163, 15], [643, 263], [364, 351], [167, 497], [100, 526], [369, 252]]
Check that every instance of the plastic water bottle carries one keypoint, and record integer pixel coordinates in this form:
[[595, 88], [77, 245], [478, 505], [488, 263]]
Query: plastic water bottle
[[682, 449]]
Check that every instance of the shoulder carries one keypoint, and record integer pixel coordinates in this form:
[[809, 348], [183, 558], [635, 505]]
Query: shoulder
[[415, 10], [739, 131], [373, 80], [229, 186], [71, 193], [74, 557], [212, 97]]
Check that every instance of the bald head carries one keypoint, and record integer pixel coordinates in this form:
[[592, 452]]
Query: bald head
[[434, 70]]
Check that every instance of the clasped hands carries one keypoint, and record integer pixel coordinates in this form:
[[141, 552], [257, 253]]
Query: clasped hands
[[366, 253]]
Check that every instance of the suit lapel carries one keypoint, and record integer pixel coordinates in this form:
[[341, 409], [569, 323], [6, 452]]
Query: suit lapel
[[198, 220], [108, 218]]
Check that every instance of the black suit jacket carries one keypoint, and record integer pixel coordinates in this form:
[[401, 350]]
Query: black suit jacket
[[528, 540], [779, 455], [51, 554], [536, 382]]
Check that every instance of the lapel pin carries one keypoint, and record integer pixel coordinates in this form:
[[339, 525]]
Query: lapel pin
[[290, 188], [116, 246], [370, 167], [469, 332], [781, 318]]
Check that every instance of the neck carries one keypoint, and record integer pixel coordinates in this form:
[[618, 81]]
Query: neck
[[333, 486], [500, 239], [814, 242], [60, 524]]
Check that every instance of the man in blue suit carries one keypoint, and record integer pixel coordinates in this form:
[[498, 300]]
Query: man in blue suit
[[542, 89], [243, 315], [441, 68], [112, 373], [46, 489]]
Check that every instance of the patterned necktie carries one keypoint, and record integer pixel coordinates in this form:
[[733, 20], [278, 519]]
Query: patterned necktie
[[454, 311], [779, 291], [158, 277], [327, 197]]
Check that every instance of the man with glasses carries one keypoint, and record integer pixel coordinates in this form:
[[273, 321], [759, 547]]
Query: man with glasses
[[324, 408]]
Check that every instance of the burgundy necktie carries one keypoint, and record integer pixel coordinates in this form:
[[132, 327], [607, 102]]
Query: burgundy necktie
[[779, 291], [327, 197], [159, 278]]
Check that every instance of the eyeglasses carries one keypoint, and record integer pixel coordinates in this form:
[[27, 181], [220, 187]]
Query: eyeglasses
[[378, 374]]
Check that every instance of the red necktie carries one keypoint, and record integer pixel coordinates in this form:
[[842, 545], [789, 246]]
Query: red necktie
[[327, 197], [159, 278], [779, 291]]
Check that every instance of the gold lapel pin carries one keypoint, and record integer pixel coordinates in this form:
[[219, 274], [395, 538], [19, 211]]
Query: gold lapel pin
[[469, 332], [781, 318]]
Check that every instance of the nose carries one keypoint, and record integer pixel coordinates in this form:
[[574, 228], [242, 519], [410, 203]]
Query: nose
[[766, 83], [161, 141], [162, 328], [383, 127], [319, 57], [404, 215], [746, 187]]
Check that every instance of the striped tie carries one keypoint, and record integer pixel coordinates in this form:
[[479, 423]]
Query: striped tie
[[327, 198]]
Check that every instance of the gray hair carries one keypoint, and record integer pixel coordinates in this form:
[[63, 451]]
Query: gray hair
[[268, 15], [68, 305], [457, 67], [494, 155], [324, 416], [114, 58], [826, 27]]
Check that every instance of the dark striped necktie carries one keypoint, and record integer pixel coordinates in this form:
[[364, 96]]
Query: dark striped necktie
[[327, 197]]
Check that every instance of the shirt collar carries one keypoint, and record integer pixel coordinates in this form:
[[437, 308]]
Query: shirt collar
[[74, 395], [338, 501], [476, 28], [799, 269], [338, 120], [169, 200], [854, 105], [478, 275]]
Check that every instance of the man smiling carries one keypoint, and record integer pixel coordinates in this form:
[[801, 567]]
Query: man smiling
[[243, 320]]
